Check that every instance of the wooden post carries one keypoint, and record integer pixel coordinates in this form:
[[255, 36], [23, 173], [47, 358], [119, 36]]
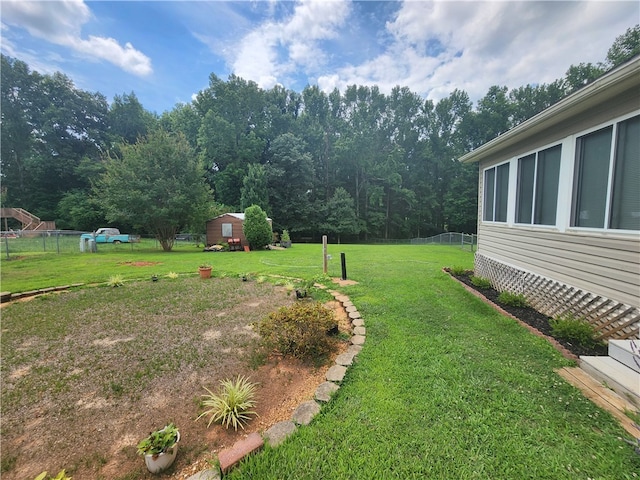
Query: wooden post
[[324, 254]]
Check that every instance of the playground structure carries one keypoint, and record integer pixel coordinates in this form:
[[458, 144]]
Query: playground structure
[[30, 223]]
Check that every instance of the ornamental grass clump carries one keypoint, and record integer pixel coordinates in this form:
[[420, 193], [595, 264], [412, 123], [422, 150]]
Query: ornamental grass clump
[[115, 281], [300, 330], [232, 407]]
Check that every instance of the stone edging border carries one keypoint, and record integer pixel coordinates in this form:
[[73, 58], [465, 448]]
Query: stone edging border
[[561, 348], [305, 412], [9, 296]]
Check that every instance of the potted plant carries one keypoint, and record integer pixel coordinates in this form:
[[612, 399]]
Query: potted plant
[[205, 270], [160, 448], [285, 240]]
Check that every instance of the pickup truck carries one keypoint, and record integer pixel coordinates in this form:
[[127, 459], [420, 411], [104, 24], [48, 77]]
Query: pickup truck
[[111, 235]]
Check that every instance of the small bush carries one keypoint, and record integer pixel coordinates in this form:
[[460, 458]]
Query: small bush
[[513, 299], [256, 227], [232, 406], [573, 329], [480, 282], [299, 330], [457, 270]]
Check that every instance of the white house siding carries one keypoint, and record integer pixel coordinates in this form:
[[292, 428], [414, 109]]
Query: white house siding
[[606, 265]]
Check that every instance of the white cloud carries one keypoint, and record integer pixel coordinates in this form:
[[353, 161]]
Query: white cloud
[[278, 48], [61, 23], [439, 46], [127, 57]]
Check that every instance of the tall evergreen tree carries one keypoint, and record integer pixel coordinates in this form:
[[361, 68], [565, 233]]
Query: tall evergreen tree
[[254, 188], [340, 215]]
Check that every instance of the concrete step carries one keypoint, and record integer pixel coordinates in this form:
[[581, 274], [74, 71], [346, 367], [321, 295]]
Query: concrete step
[[615, 375], [623, 351]]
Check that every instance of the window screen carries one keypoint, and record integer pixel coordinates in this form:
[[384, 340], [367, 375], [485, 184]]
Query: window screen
[[547, 178], [625, 205], [594, 152], [526, 176], [502, 190], [227, 230], [489, 188]]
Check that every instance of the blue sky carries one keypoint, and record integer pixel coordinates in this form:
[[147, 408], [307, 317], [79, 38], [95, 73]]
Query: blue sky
[[164, 51]]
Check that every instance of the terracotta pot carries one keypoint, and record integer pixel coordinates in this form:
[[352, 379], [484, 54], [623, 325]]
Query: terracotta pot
[[205, 272]]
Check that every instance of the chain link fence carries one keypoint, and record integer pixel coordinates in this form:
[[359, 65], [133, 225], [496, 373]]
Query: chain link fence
[[16, 243], [465, 240]]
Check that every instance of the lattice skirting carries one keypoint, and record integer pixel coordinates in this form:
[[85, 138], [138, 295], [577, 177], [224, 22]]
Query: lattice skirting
[[611, 319]]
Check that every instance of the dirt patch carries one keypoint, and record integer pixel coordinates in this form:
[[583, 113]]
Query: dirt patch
[[139, 264], [344, 283], [80, 387]]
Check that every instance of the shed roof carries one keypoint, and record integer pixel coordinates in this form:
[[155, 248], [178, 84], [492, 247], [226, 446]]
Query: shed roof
[[239, 216], [601, 90]]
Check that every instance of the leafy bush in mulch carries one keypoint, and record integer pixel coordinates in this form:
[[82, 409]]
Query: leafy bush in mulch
[[574, 329]]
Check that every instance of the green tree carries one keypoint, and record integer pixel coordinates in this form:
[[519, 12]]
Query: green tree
[[529, 100], [79, 211], [49, 127], [157, 185], [254, 188], [183, 118], [290, 178], [341, 215], [256, 227], [18, 97], [578, 76], [128, 119], [624, 47]]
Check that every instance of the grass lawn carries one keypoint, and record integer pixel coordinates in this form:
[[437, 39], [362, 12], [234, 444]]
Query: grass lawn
[[444, 388]]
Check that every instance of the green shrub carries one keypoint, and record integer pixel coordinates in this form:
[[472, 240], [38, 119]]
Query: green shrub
[[256, 227], [159, 441], [573, 329], [232, 406], [513, 299], [480, 282], [299, 330], [457, 270]]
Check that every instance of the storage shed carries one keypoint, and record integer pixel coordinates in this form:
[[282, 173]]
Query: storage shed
[[227, 226]]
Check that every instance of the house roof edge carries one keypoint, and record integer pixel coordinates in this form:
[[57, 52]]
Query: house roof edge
[[600, 90]]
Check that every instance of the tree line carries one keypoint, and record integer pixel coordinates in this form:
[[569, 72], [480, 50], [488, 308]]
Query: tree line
[[356, 164]]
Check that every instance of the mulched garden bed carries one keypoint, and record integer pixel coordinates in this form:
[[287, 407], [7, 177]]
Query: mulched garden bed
[[533, 318]]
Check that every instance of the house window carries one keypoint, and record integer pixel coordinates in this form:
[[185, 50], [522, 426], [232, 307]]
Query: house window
[[227, 230], [496, 189], [608, 178], [625, 203], [537, 189]]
